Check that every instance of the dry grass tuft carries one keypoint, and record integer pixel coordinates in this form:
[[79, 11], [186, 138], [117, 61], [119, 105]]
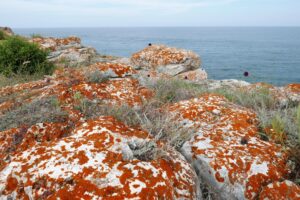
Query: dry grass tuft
[[38, 111]]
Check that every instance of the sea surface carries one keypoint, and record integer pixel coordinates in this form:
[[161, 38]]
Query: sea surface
[[270, 54]]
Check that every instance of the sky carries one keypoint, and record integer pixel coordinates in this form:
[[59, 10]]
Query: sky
[[141, 13]]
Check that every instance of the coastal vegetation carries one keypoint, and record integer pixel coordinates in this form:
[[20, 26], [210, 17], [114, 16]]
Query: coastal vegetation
[[21, 61], [2, 35]]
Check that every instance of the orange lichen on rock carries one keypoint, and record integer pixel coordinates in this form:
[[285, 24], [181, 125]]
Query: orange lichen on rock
[[280, 191], [195, 76], [160, 55], [124, 91], [295, 87], [65, 83], [113, 69], [19, 139], [90, 164], [292, 91], [55, 43], [226, 149]]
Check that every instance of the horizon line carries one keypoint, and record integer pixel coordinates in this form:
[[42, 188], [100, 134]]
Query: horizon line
[[238, 26]]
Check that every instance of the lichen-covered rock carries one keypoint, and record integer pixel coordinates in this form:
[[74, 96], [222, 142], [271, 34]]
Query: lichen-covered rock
[[159, 55], [119, 88], [67, 51], [19, 139], [167, 60], [113, 70], [226, 83], [292, 92], [226, 150], [90, 164], [280, 191], [197, 75]]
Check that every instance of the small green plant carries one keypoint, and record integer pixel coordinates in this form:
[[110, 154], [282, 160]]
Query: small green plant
[[55, 102], [278, 127], [77, 96], [18, 56]]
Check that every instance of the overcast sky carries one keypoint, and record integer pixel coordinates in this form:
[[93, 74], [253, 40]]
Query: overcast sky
[[99, 13]]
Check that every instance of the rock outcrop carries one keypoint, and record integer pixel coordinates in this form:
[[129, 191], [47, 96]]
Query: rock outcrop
[[90, 164], [7, 31], [226, 150], [159, 61], [68, 51], [91, 158], [66, 83]]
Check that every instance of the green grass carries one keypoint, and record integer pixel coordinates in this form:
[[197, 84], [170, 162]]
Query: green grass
[[18, 79], [174, 90]]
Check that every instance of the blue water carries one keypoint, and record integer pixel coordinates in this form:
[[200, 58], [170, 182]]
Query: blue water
[[269, 54]]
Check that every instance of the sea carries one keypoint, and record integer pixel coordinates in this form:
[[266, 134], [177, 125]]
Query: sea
[[268, 54]]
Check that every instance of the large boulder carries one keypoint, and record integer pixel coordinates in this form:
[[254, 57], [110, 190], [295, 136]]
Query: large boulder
[[226, 149], [66, 51], [167, 61], [97, 161]]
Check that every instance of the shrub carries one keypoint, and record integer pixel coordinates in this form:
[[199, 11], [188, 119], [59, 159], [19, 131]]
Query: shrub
[[18, 56], [2, 35]]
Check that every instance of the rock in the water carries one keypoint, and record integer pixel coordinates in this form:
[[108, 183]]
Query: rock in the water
[[67, 51], [226, 150], [8, 31], [280, 191], [167, 60], [89, 164]]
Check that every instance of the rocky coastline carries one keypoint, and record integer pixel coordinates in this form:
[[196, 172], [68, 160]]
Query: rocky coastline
[[217, 151]]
